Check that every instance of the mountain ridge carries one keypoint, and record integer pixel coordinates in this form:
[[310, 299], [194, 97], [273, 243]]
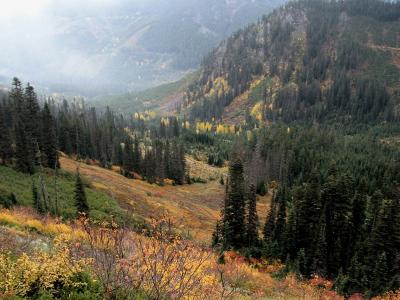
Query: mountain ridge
[[305, 50]]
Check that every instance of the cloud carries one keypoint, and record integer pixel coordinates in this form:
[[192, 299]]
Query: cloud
[[15, 9]]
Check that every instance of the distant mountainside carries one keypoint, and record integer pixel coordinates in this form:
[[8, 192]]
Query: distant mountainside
[[125, 46], [310, 60], [164, 99]]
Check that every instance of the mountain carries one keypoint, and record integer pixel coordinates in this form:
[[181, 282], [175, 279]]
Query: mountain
[[119, 45], [163, 99], [310, 61]]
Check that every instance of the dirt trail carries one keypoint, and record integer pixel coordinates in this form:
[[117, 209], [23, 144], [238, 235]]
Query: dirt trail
[[193, 208]]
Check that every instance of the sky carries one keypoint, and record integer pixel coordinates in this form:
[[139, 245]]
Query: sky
[[17, 9], [68, 44]]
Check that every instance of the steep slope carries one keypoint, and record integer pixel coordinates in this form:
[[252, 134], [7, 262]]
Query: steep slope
[[310, 60]]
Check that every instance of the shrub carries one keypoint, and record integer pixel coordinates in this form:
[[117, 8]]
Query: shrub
[[45, 275]]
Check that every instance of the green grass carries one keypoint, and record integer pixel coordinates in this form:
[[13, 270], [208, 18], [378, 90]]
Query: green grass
[[144, 100], [101, 205], [257, 93]]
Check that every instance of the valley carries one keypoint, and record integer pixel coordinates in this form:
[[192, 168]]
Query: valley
[[193, 208], [268, 168]]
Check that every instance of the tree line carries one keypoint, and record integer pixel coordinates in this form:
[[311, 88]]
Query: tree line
[[33, 132], [335, 208]]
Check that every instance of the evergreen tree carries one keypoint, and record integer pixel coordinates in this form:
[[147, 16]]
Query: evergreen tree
[[373, 209], [81, 204], [151, 166], [320, 261], [177, 163], [217, 236], [118, 155], [269, 226], [337, 201], [280, 224], [128, 158], [252, 217], [167, 157], [137, 156], [37, 203], [49, 140], [6, 151], [32, 118], [24, 151], [13, 199], [234, 211]]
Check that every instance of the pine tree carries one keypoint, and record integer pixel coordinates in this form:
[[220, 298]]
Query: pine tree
[[13, 199], [49, 140], [306, 200], [159, 159], [358, 218], [280, 224], [118, 155], [37, 203], [234, 211], [217, 236], [167, 158], [81, 203], [320, 261], [269, 226], [24, 152], [337, 200], [386, 234], [150, 166], [6, 151], [373, 209], [252, 218], [182, 163], [177, 163], [32, 118], [128, 158]]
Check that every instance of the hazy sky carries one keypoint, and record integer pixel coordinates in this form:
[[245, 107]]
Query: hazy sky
[[68, 44], [17, 9], [12, 9]]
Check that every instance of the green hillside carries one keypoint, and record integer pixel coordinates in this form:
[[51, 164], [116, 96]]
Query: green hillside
[[20, 184], [163, 98]]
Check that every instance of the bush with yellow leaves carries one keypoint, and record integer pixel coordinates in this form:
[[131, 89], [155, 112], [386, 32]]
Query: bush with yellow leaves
[[54, 273]]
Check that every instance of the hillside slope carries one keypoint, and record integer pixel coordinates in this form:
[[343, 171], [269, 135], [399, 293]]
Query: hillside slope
[[163, 99], [193, 208], [26, 238], [310, 60]]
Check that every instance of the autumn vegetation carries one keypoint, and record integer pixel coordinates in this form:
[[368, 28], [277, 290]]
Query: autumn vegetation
[[276, 176]]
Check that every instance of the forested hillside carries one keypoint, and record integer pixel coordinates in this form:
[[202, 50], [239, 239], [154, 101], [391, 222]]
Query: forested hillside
[[310, 60], [271, 173], [314, 91], [33, 133]]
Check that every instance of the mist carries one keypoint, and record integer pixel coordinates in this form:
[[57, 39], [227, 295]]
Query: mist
[[113, 46]]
